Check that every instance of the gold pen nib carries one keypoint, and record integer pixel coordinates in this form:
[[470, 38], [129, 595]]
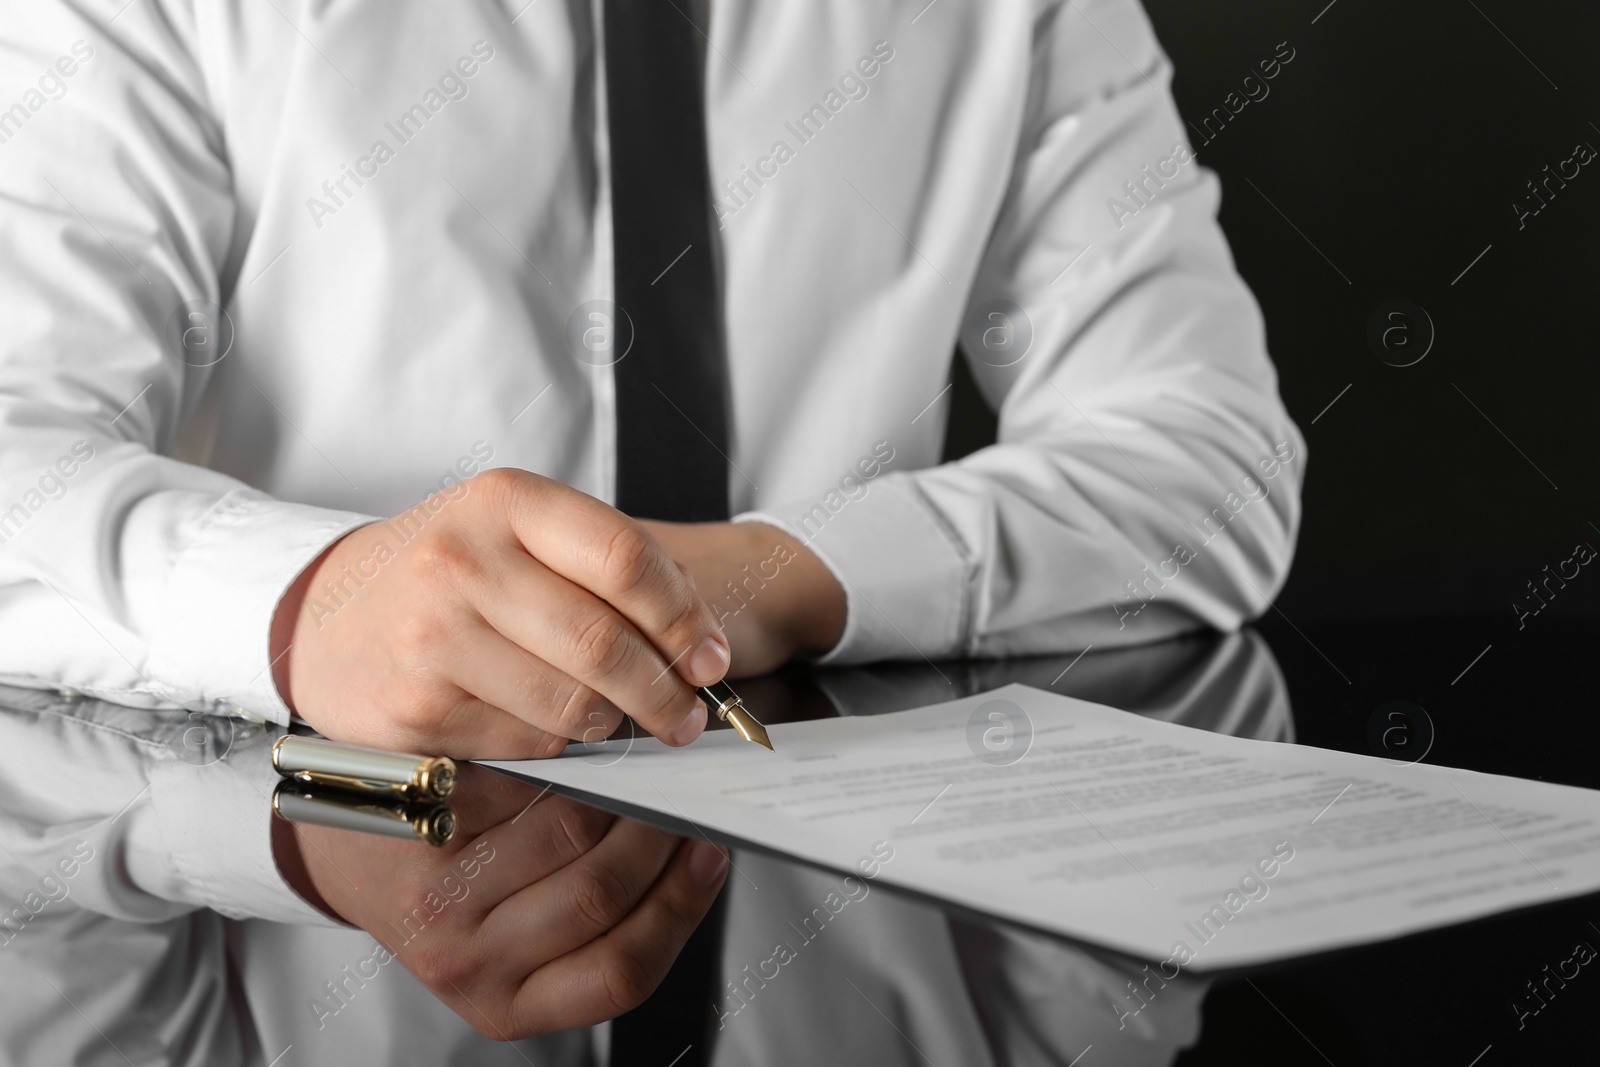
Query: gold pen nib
[[727, 706], [746, 724]]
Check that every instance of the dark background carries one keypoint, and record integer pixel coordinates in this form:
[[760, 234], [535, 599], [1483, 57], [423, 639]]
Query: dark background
[[1396, 141]]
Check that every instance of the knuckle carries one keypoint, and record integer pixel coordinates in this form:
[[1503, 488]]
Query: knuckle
[[669, 698], [419, 633], [421, 709], [584, 716], [626, 979], [600, 896], [689, 580], [582, 828], [418, 711], [691, 614], [446, 555], [600, 645], [442, 965], [627, 557], [546, 746], [499, 485]]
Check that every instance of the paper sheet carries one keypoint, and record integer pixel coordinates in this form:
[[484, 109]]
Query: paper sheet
[[1164, 842]]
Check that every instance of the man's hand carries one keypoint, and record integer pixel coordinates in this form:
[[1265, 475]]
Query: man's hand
[[500, 621], [775, 597], [544, 914]]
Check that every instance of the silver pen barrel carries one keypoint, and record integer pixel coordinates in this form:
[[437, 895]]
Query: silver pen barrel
[[364, 770]]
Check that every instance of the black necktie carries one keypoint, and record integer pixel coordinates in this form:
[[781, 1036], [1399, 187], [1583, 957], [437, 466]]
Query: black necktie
[[672, 426]]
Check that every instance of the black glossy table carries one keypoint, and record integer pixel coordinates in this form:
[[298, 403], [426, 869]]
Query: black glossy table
[[896, 980], [1472, 692]]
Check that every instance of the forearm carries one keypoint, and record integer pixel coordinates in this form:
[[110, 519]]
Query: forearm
[[146, 580]]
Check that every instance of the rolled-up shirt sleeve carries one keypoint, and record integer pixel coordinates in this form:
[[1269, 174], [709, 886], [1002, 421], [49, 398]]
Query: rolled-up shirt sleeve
[[125, 572], [1146, 477]]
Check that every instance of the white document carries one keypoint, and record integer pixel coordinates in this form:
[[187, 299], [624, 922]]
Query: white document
[[1161, 841]]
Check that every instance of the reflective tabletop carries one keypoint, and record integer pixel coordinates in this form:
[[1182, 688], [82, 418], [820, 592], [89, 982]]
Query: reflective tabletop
[[888, 979]]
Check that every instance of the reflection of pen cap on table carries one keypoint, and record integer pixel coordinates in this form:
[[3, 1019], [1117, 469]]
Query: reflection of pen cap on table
[[298, 801]]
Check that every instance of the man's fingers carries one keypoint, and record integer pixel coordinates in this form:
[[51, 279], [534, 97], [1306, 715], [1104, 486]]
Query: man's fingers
[[597, 547], [580, 902], [471, 728], [486, 800], [498, 672], [544, 834], [615, 973], [583, 637]]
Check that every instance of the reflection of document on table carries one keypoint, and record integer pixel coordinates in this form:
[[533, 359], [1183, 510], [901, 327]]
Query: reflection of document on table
[[1119, 830]]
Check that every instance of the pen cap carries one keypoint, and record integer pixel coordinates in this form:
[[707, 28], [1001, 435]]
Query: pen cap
[[433, 823], [370, 769]]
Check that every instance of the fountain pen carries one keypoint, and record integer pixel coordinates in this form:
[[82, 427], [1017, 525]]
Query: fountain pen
[[727, 706]]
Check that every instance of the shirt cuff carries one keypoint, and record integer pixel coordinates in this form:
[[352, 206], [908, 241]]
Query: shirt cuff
[[907, 581], [215, 821], [211, 639]]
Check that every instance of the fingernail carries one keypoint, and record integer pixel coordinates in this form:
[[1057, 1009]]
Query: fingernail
[[706, 863], [709, 662], [691, 727]]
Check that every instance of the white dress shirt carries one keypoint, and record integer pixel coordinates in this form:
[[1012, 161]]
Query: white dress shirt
[[404, 210]]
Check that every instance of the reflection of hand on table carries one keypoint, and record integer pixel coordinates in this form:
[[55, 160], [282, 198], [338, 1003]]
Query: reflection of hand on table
[[542, 915]]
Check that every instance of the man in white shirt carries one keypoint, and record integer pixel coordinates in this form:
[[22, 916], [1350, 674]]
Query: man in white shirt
[[274, 271]]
